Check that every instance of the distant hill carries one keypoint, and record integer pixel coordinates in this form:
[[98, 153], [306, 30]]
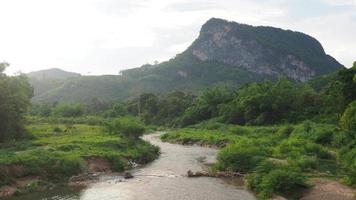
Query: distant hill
[[224, 53], [46, 80], [52, 74]]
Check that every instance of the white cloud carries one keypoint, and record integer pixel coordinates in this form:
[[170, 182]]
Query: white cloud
[[105, 36]]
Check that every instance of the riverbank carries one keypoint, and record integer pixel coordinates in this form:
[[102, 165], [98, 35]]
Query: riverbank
[[164, 178], [278, 160], [57, 152]]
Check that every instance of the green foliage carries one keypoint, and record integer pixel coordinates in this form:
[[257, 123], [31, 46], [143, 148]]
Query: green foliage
[[294, 147], [43, 110], [348, 119], [347, 158], [68, 110], [163, 110], [243, 156], [15, 95], [281, 180], [3, 67], [129, 127], [59, 155], [183, 73], [269, 103], [117, 110], [278, 159]]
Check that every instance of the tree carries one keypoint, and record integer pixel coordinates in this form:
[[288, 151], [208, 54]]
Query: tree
[[68, 110], [15, 95], [346, 77], [129, 127], [3, 66], [348, 119]]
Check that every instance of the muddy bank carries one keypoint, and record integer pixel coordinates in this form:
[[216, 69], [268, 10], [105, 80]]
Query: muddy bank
[[329, 190]]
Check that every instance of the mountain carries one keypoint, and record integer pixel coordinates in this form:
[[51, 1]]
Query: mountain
[[46, 80], [224, 53], [52, 74], [263, 50]]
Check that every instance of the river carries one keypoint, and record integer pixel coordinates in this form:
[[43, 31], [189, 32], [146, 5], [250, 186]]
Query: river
[[163, 179]]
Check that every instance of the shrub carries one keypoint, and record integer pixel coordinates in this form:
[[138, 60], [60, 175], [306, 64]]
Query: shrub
[[348, 119], [239, 130], [116, 163], [283, 181], [285, 131], [347, 158], [128, 127], [69, 110], [294, 147], [240, 157]]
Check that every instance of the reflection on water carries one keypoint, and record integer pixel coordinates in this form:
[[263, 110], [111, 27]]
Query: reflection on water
[[163, 179]]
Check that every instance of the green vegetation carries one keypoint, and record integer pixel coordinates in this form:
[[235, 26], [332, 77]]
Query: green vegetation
[[59, 151], [278, 159], [58, 141], [279, 134], [15, 94], [348, 119], [129, 127]]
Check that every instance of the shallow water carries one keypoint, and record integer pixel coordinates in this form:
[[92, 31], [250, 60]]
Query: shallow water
[[164, 179]]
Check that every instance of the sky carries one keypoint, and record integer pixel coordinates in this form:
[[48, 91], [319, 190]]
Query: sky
[[95, 37]]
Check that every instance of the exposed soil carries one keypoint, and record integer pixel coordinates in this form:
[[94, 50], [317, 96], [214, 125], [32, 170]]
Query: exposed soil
[[6, 191], [329, 190], [95, 166], [22, 182], [9, 190], [98, 164]]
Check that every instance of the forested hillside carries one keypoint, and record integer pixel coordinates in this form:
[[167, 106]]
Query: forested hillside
[[224, 53]]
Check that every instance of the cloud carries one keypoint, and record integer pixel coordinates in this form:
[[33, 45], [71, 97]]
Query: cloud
[[108, 36]]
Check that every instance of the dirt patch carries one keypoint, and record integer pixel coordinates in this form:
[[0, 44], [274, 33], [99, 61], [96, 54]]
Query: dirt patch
[[14, 170], [329, 190], [98, 164], [95, 166], [25, 181], [7, 191], [277, 198]]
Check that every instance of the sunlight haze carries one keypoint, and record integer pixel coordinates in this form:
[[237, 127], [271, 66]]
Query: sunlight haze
[[106, 36]]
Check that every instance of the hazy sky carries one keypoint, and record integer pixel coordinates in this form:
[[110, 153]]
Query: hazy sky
[[106, 36]]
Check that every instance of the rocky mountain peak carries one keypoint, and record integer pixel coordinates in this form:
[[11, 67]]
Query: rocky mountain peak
[[263, 50]]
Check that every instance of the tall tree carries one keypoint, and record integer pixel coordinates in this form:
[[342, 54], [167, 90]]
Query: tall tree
[[15, 95]]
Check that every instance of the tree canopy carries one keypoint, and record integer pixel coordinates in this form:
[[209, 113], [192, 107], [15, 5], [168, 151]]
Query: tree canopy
[[15, 95]]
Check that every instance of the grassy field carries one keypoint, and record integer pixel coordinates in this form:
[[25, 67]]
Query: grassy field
[[58, 151]]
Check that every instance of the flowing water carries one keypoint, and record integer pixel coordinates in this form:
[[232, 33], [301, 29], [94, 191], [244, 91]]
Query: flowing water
[[164, 179]]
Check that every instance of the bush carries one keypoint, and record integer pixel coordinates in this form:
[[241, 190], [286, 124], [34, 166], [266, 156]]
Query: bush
[[347, 158], [283, 181], [240, 157], [116, 163], [285, 131], [69, 110], [239, 130], [294, 148], [319, 133], [348, 119], [129, 127]]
